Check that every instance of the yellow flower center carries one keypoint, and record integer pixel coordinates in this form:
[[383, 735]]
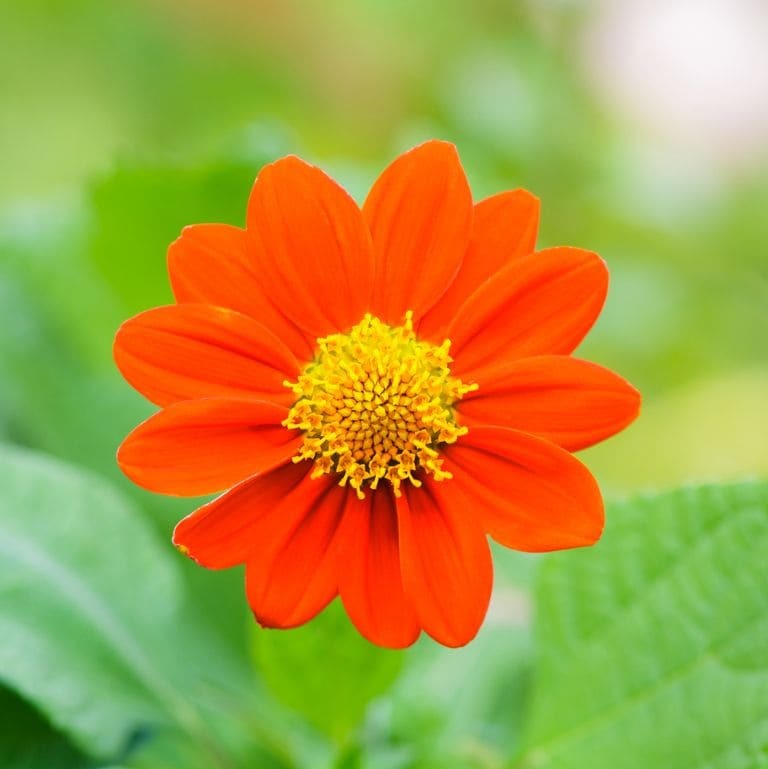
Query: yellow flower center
[[377, 403]]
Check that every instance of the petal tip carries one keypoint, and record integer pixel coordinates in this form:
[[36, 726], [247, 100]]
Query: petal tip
[[438, 145], [290, 164]]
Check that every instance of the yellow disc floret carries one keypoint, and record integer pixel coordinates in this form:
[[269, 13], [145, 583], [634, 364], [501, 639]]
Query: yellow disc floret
[[377, 403]]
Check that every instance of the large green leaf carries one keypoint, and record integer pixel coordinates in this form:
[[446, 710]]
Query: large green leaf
[[94, 628], [653, 646], [325, 670]]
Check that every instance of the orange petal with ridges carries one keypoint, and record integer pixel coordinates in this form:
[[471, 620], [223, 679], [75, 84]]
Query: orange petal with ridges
[[370, 580], [541, 304], [528, 493], [294, 574], [228, 531], [446, 561], [188, 351], [571, 402], [310, 246], [204, 446], [504, 227], [209, 264], [420, 215]]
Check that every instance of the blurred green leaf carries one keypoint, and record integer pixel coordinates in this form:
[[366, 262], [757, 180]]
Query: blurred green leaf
[[653, 646], [44, 247], [140, 211], [27, 741], [325, 670], [83, 584], [59, 390], [462, 708], [459, 708], [97, 632]]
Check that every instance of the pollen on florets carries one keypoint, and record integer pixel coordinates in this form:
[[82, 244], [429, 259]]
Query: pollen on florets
[[376, 403]]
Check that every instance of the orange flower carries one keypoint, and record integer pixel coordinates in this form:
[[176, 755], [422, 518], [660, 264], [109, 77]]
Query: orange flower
[[378, 391]]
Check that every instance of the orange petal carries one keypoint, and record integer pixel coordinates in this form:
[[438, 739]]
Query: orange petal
[[529, 494], [294, 573], [568, 401], [446, 561], [209, 264], [189, 351], [504, 227], [203, 446], [370, 582], [230, 530], [310, 246], [420, 214], [543, 303]]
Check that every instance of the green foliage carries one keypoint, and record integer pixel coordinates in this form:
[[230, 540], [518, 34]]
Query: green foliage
[[28, 742], [139, 211], [96, 629], [462, 708], [133, 121], [653, 646], [325, 670], [80, 581], [459, 708], [668, 609]]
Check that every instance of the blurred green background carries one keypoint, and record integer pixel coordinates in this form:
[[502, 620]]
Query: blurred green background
[[122, 122]]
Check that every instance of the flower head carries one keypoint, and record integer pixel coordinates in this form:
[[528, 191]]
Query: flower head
[[375, 391]]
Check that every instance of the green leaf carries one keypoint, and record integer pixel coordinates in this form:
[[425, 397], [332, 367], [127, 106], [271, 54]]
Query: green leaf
[[463, 707], [325, 670], [459, 707], [654, 644], [90, 612], [28, 742], [139, 211]]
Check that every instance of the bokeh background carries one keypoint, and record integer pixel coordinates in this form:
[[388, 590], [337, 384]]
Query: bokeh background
[[641, 124]]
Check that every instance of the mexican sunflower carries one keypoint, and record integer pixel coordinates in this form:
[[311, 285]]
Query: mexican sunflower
[[375, 391]]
